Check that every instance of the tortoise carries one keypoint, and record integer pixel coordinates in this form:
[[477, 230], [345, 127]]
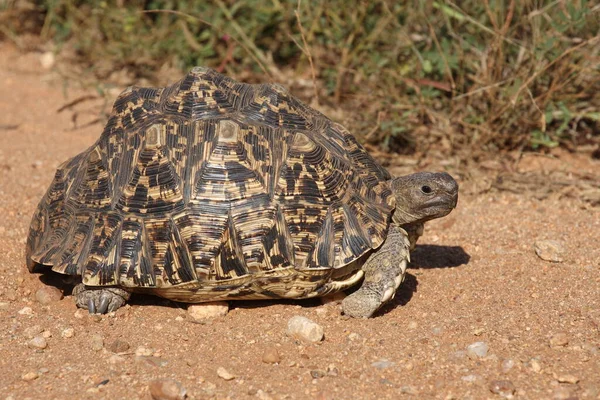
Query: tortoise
[[212, 189]]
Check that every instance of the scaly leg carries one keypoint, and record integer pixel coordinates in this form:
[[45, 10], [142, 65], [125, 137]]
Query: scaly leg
[[99, 299], [384, 272]]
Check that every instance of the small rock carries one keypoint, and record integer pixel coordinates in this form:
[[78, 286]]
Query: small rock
[[80, 313], [224, 374], [48, 294], [33, 331], [332, 370], [503, 388], [549, 250], [559, 339], [412, 325], [143, 352], [38, 342], [567, 378], [303, 328], [271, 356], [47, 334], [167, 389], [30, 376], [261, 395], [409, 390], [67, 333], [203, 311], [535, 366], [507, 365], [97, 342], [353, 336], [25, 311], [561, 393], [383, 364], [47, 59], [118, 346], [116, 359], [317, 373], [477, 350], [470, 378], [179, 318]]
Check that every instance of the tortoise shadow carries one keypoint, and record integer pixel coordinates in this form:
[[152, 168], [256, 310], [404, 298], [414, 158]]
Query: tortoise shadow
[[433, 256]]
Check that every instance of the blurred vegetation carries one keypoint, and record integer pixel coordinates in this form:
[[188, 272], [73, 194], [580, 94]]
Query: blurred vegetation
[[465, 78]]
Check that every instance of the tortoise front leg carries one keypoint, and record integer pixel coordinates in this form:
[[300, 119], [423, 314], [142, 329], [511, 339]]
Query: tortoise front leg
[[384, 272]]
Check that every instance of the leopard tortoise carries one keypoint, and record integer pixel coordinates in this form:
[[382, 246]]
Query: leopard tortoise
[[212, 189]]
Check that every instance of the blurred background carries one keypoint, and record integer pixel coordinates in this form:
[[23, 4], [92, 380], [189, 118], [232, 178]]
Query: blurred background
[[460, 81]]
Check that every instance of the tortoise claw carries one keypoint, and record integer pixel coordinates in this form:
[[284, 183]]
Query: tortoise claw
[[103, 303], [91, 306]]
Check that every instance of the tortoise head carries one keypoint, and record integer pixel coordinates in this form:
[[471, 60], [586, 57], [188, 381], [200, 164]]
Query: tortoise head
[[423, 196]]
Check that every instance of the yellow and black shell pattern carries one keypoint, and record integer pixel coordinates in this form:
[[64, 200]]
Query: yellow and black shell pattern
[[212, 183]]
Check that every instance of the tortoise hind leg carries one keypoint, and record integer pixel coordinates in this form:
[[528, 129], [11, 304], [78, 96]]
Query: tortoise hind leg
[[99, 299], [384, 272]]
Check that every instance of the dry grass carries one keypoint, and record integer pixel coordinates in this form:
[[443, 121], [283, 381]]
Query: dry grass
[[465, 78]]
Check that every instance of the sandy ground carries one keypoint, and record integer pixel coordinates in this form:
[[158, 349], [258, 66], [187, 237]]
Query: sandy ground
[[474, 278]]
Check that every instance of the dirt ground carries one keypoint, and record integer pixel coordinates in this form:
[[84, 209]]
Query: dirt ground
[[474, 278]]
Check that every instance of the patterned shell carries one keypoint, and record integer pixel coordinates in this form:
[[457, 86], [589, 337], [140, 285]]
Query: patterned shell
[[206, 181]]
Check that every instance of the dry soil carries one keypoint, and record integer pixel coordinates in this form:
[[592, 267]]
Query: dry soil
[[474, 278]]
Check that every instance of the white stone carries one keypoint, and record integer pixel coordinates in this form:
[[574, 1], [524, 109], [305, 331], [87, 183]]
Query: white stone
[[303, 328], [202, 311], [477, 350]]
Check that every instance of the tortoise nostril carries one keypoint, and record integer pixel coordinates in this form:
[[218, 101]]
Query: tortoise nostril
[[426, 189]]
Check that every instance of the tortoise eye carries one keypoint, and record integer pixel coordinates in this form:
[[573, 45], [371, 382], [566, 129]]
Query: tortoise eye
[[426, 189]]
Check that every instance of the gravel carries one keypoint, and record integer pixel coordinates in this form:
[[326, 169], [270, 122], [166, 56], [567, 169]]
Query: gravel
[[224, 374], [38, 342], [549, 250], [503, 388], [304, 329], [559, 339], [477, 350], [199, 312], [167, 389], [48, 294], [97, 342], [271, 356]]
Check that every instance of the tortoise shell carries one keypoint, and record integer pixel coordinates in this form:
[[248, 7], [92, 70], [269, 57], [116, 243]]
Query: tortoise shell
[[212, 185]]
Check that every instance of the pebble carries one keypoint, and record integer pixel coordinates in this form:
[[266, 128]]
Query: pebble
[[549, 250], [507, 365], [261, 395], [224, 374], [559, 339], [118, 346], [48, 294], [477, 350], [38, 342], [116, 359], [203, 311], [561, 393], [80, 313], [33, 331], [25, 311], [143, 352], [30, 376], [383, 364], [271, 356], [97, 343], [303, 328], [567, 378], [503, 388], [67, 333], [317, 373], [535, 365], [167, 389], [47, 60]]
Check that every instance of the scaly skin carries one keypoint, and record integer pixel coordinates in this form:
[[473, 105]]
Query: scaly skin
[[99, 299], [384, 272]]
